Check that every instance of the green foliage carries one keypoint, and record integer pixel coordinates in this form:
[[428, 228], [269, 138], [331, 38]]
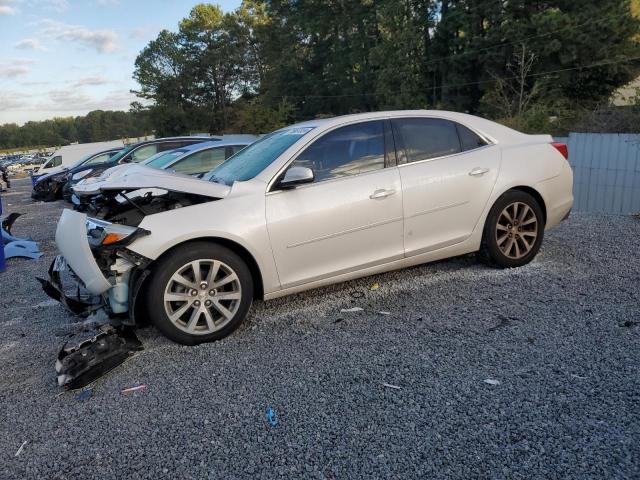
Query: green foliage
[[96, 126], [533, 64]]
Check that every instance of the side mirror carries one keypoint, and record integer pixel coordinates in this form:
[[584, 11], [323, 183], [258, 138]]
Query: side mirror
[[295, 176]]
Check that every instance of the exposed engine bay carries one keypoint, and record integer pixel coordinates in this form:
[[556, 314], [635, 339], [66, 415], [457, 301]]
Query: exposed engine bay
[[129, 207]]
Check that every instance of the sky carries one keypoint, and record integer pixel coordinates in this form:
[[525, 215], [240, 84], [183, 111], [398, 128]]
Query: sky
[[61, 58]]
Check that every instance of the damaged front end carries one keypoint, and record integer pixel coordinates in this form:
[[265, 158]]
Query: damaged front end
[[91, 278], [94, 269]]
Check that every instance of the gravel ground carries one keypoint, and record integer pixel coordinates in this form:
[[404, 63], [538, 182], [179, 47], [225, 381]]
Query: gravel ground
[[559, 335]]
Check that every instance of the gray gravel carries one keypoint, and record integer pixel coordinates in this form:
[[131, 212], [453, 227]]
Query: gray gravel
[[560, 336]]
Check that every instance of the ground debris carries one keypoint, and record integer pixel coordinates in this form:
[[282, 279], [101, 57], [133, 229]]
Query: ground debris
[[352, 310], [20, 449], [138, 388], [490, 381], [82, 363], [388, 385]]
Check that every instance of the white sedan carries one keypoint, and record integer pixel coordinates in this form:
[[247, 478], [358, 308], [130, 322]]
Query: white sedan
[[314, 204]]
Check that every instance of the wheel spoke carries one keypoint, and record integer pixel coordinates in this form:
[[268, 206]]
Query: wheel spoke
[[507, 215], [193, 320], [509, 246], [226, 313], [177, 297], [502, 228], [533, 219], [213, 272], [228, 279], [211, 325], [178, 313], [517, 247], [195, 266], [524, 213], [527, 245], [529, 234], [228, 296], [178, 278], [503, 238]]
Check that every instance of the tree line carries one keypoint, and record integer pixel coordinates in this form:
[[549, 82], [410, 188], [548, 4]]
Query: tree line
[[538, 65], [96, 126], [528, 63]]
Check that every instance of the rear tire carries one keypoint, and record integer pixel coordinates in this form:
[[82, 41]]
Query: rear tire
[[200, 292], [513, 231]]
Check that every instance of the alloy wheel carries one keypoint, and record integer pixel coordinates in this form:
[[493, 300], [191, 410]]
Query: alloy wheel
[[516, 230], [202, 296]]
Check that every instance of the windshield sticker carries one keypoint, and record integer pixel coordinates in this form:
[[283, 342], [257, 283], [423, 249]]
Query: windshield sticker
[[298, 131]]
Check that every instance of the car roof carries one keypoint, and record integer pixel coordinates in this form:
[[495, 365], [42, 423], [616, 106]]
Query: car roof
[[490, 129], [197, 138], [217, 143]]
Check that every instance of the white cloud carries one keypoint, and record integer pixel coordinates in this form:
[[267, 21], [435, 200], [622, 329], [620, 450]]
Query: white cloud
[[107, 3], [15, 67], [30, 44], [76, 100], [103, 41], [95, 80], [12, 101], [54, 5], [7, 10]]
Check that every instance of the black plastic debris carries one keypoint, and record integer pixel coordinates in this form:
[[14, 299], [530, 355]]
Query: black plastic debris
[[8, 221], [82, 363], [76, 300]]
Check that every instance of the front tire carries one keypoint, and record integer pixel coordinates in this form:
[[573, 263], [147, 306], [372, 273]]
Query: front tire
[[200, 292], [513, 231]]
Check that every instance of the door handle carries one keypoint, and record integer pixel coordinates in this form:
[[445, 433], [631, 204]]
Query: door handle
[[382, 193], [477, 172]]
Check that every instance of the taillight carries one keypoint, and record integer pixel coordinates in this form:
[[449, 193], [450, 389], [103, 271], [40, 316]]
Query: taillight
[[562, 148]]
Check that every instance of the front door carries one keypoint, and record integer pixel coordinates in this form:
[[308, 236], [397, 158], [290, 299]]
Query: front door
[[349, 218]]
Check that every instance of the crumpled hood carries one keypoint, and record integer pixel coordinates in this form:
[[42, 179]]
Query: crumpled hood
[[134, 177]]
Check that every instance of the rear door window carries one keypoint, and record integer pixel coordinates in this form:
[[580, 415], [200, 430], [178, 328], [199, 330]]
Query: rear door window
[[142, 153], [420, 139], [200, 162]]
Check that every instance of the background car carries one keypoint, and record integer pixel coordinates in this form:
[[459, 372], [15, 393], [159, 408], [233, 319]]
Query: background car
[[135, 153], [48, 187], [197, 159]]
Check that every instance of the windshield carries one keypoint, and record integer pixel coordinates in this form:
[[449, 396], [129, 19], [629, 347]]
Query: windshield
[[252, 160], [162, 159], [121, 153]]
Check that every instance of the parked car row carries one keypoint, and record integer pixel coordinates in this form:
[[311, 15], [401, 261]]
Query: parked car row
[[59, 183], [308, 205]]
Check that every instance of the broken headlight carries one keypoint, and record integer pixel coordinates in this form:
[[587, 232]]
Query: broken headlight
[[106, 234]]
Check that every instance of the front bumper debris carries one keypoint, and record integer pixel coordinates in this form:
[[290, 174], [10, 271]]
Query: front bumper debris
[[69, 292], [80, 364]]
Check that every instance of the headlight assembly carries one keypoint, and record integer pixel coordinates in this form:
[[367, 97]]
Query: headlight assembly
[[106, 234]]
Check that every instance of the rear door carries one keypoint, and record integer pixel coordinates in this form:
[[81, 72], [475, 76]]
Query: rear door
[[448, 172], [349, 218]]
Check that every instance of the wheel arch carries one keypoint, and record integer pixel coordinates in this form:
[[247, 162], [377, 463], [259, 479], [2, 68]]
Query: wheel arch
[[535, 194], [240, 250], [526, 189]]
